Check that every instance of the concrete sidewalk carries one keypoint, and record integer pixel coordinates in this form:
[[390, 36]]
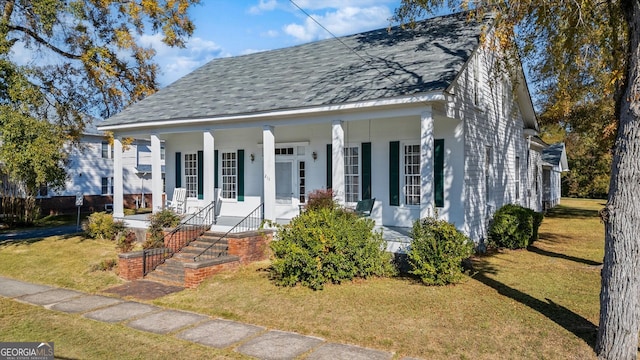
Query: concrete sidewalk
[[250, 340]]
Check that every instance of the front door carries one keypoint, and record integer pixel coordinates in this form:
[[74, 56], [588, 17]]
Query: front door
[[285, 182]]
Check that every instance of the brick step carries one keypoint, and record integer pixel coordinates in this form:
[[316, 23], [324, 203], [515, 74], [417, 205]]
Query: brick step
[[206, 244], [198, 249], [153, 276], [174, 268], [211, 239]]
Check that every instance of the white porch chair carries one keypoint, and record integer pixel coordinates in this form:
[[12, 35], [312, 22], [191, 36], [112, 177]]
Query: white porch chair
[[178, 203]]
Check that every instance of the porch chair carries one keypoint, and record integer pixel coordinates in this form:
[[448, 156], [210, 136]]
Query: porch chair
[[364, 207], [178, 203]]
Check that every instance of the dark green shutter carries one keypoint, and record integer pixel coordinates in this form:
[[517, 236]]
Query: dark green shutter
[[200, 174], [178, 169], [366, 170], [240, 175], [438, 172], [329, 167], [394, 173], [215, 169]]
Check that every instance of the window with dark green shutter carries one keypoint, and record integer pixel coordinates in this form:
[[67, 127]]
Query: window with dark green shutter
[[216, 169], [240, 175], [178, 169], [329, 167], [394, 173], [200, 174], [438, 172], [366, 170]]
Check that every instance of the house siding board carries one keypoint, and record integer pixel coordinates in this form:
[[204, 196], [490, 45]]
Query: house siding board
[[486, 125]]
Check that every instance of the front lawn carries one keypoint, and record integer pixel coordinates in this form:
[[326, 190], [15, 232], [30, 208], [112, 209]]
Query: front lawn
[[535, 303]]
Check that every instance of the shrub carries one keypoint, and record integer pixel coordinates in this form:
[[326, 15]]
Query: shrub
[[125, 241], [514, 227], [327, 245], [321, 199], [101, 225], [157, 223], [105, 265], [437, 251]]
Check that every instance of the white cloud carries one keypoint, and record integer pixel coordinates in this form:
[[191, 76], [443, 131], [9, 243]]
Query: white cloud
[[270, 34], [345, 20], [263, 5], [177, 62], [337, 4], [251, 51]]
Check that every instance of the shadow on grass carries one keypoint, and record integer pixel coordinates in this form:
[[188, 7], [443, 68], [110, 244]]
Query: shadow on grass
[[537, 250], [33, 240], [569, 320], [564, 212]]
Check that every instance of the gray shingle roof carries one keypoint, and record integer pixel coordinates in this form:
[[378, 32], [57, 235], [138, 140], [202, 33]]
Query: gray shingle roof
[[553, 154], [390, 64]]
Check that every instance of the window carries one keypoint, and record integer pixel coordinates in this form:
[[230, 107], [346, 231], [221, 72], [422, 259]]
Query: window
[[506, 98], [229, 175], [517, 178], [351, 174], [107, 186], [162, 152], [284, 151], [476, 80], [302, 175], [411, 161], [487, 172], [191, 174], [105, 150]]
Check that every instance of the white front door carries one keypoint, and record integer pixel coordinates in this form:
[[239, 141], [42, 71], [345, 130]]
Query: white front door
[[285, 182]]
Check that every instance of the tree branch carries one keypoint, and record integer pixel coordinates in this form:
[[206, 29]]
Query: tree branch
[[44, 42]]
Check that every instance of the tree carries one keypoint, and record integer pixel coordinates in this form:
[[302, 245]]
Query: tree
[[84, 58], [584, 51], [588, 131]]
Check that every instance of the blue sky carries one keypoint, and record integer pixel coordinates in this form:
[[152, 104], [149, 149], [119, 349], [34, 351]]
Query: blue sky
[[237, 27]]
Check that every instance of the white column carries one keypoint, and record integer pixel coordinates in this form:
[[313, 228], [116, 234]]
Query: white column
[[156, 173], [208, 167], [269, 169], [118, 191], [426, 163], [337, 160]]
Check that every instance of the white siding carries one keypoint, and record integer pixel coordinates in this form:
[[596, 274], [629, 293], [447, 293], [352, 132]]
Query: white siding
[[86, 168], [488, 125]]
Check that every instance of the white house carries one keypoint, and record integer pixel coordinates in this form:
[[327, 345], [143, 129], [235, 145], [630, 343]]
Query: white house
[[554, 164], [90, 173], [416, 119]]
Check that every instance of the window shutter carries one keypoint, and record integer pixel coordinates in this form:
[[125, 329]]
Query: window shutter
[[200, 174], [438, 172], [215, 169], [178, 169], [366, 170], [240, 175], [394, 173], [329, 167]]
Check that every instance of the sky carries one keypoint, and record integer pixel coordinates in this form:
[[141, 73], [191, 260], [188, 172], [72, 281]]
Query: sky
[[238, 27]]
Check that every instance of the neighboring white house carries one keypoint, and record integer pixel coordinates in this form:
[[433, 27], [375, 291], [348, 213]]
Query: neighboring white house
[[90, 170], [554, 164], [414, 118]]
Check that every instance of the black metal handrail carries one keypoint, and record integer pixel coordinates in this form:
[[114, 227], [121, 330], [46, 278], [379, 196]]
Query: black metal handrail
[[253, 221], [182, 235]]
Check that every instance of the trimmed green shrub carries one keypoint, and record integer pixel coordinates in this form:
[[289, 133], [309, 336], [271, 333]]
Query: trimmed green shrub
[[514, 227], [437, 251], [157, 223], [328, 245], [101, 225]]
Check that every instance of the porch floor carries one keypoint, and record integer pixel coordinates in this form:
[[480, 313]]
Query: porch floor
[[397, 238]]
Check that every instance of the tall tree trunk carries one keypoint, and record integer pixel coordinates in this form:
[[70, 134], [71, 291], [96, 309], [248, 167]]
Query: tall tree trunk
[[620, 292]]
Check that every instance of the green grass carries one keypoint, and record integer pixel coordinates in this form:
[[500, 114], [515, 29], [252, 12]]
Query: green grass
[[540, 303]]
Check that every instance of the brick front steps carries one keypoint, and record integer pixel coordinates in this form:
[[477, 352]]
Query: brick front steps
[[182, 270]]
